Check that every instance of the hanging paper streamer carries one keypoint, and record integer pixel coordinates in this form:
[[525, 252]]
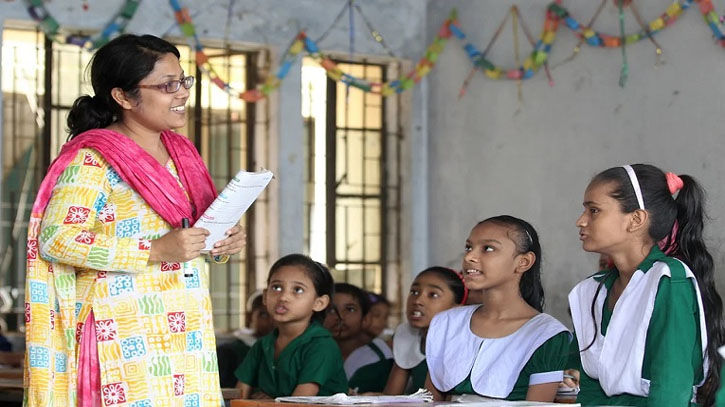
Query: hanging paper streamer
[[666, 19], [535, 60], [538, 57], [303, 43], [49, 25], [422, 68], [711, 18]]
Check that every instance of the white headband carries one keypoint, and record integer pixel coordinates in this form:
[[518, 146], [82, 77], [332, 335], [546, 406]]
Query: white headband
[[635, 185]]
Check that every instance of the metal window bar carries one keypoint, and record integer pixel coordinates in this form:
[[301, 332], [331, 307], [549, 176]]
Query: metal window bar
[[366, 198]]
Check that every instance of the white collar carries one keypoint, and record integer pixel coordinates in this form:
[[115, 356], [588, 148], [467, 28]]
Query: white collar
[[627, 330], [453, 351], [406, 346]]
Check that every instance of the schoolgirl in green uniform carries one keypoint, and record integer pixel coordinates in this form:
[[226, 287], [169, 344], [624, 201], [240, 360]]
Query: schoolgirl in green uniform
[[647, 329], [299, 358], [367, 363], [506, 347], [434, 289]]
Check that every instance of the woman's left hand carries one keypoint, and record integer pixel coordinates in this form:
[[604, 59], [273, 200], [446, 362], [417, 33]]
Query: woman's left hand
[[233, 244]]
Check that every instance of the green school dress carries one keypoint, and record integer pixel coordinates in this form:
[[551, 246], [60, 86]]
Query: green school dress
[[372, 376], [551, 356], [461, 362], [417, 377], [673, 355], [312, 357]]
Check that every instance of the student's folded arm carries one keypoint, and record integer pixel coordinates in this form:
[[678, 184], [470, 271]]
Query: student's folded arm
[[397, 380], [248, 372], [245, 390], [306, 389], [546, 367], [542, 392], [437, 394]]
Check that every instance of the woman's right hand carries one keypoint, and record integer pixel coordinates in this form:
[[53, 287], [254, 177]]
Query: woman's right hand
[[179, 245]]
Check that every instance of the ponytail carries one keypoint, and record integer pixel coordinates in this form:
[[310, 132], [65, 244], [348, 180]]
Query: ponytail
[[88, 113], [692, 251]]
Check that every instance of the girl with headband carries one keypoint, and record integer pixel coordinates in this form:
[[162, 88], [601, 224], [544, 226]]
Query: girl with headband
[[434, 290], [647, 329], [506, 348]]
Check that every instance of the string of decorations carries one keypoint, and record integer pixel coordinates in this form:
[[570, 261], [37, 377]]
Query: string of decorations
[[597, 39], [183, 19], [711, 18], [666, 19], [405, 82], [304, 43], [538, 57], [535, 60], [50, 26]]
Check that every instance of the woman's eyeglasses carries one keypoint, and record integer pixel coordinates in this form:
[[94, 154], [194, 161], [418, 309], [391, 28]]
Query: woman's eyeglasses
[[172, 86]]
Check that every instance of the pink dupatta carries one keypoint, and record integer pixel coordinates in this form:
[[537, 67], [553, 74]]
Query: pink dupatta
[[52, 329], [143, 173]]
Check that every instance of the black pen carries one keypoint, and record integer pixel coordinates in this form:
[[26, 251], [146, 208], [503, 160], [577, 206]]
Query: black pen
[[187, 271]]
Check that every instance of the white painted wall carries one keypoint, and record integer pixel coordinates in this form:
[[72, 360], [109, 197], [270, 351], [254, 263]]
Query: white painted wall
[[491, 155]]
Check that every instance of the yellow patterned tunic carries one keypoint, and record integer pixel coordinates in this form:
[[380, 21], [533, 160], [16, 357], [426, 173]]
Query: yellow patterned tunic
[[155, 335]]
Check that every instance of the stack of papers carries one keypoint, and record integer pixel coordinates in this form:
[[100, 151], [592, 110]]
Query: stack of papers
[[343, 399], [230, 205]]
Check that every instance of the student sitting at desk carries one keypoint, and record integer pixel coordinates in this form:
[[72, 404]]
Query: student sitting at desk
[[299, 358]]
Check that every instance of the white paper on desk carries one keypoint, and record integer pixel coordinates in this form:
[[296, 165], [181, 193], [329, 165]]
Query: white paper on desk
[[473, 400], [343, 399], [230, 205]]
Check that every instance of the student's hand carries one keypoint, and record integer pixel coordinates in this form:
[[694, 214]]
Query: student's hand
[[260, 395], [571, 378], [306, 389], [233, 244], [179, 245], [245, 390]]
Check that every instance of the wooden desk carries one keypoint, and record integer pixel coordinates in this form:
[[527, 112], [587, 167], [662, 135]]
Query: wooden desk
[[272, 403], [263, 403]]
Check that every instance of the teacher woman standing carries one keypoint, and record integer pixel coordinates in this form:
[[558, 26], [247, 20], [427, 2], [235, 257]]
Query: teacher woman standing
[[110, 316]]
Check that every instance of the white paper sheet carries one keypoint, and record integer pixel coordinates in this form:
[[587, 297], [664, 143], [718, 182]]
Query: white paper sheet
[[230, 205], [343, 399], [473, 400]]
